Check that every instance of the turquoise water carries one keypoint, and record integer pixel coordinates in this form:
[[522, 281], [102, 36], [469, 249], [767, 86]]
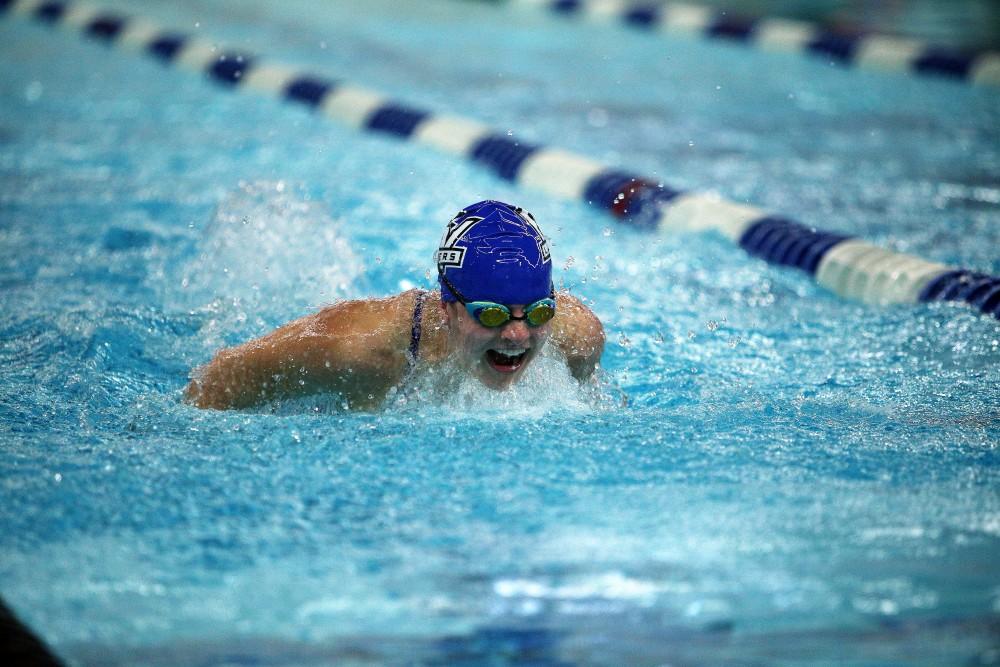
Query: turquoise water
[[766, 474]]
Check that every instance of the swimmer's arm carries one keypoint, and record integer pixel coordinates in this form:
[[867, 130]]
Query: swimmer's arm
[[345, 348], [578, 333]]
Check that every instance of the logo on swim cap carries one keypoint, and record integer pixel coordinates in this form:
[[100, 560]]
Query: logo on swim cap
[[495, 251]]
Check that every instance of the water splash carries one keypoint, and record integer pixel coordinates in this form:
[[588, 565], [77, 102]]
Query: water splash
[[546, 386], [267, 255]]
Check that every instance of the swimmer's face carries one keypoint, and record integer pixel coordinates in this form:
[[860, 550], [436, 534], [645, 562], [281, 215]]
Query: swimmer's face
[[499, 355]]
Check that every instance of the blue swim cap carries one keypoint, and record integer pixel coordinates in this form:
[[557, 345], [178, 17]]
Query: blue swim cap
[[493, 251]]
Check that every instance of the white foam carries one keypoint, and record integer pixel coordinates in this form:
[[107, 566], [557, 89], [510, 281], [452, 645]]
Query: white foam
[[545, 386], [268, 255]]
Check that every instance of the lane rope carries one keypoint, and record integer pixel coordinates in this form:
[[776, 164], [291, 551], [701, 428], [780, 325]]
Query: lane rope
[[850, 48], [847, 266]]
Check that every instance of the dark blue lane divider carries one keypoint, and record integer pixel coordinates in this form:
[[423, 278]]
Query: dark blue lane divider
[[503, 154], [231, 66], [847, 266], [166, 46], [979, 290], [842, 46], [396, 119], [308, 90], [105, 27], [782, 241]]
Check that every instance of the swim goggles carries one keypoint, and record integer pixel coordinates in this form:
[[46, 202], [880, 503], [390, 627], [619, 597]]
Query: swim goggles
[[493, 315]]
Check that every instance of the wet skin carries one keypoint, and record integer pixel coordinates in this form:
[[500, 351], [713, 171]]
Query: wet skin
[[358, 349], [497, 356]]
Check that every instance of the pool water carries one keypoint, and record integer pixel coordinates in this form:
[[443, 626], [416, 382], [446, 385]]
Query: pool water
[[763, 473]]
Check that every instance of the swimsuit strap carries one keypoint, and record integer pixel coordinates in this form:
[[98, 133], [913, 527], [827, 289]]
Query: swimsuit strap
[[418, 308]]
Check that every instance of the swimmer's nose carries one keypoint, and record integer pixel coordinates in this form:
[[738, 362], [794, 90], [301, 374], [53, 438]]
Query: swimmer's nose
[[515, 331]]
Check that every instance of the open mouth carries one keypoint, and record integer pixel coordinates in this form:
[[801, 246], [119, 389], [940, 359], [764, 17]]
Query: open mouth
[[505, 362]]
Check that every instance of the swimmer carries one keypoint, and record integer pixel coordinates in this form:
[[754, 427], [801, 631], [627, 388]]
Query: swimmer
[[494, 312]]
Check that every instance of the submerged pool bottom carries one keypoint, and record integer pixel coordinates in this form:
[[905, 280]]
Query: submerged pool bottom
[[610, 640]]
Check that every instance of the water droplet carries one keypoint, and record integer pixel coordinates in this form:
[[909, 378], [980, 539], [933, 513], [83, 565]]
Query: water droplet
[[608, 231], [624, 340], [691, 334], [711, 325], [570, 261], [57, 477]]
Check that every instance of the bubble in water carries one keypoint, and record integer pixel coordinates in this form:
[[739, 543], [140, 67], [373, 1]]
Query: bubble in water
[[570, 261], [711, 325], [33, 91], [597, 117]]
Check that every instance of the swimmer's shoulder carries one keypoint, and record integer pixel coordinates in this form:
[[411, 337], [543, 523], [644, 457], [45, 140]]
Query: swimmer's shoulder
[[383, 328], [578, 333], [575, 320], [365, 327]]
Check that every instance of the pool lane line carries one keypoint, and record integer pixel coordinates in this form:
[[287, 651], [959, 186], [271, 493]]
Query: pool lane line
[[847, 266], [855, 48]]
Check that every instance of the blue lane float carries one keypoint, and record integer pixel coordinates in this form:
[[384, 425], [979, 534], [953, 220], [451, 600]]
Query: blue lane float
[[848, 266], [856, 49]]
